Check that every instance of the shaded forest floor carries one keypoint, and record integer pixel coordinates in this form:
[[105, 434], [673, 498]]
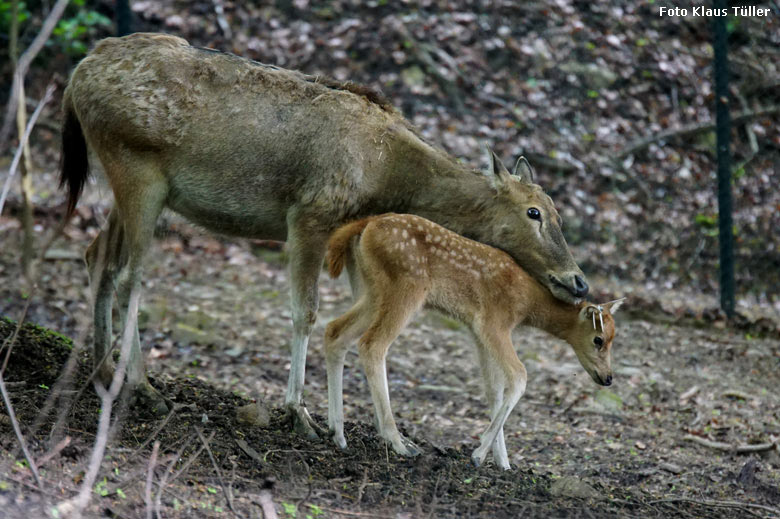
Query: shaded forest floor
[[572, 85], [216, 316]]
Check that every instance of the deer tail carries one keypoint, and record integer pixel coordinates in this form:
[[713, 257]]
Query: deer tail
[[74, 164], [340, 245]]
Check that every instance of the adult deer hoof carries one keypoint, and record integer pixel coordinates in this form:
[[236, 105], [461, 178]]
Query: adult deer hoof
[[303, 424]]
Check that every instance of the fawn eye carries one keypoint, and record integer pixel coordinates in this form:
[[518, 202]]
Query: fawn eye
[[599, 342], [534, 214]]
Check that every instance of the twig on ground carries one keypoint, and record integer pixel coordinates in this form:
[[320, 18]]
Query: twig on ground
[[363, 485], [274, 451], [164, 479], [692, 129], [689, 393], [191, 459], [720, 504], [154, 433], [736, 393], [250, 451], [55, 451], [11, 340], [18, 431], [727, 447], [219, 473], [308, 480], [356, 514], [23, 64], [434, 497], [150, 479]]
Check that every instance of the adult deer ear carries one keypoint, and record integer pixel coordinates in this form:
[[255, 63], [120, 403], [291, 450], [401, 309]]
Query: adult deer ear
[[523, 170], [498, 174], [613, 306]]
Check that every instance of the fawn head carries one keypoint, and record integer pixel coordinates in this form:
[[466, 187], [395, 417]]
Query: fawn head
[[592, 339], [527, 226]]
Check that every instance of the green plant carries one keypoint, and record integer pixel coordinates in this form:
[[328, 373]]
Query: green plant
[[290, 510], [101, 488], [22, 14], [72, 34]]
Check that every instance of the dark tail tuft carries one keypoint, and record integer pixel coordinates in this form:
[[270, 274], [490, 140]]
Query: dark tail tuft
[[74, 164], [339, 245]]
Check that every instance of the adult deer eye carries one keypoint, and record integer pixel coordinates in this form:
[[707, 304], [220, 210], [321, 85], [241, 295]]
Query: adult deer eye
[[534, 214], [598, 341]]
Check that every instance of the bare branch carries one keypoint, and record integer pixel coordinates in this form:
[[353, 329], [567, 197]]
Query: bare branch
[[24, 64], [23, 141], [723, 504], [692, 129], [219, 473], [55, 451], [18, 432], [75, 506], [727, 447], [149, 479]]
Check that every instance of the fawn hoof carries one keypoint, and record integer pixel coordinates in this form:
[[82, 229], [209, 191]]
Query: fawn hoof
[[150, 400], [302, 423], [340, 442], [477, 458]]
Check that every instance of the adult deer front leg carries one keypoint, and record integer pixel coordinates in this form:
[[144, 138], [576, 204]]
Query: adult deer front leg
[[306, 246]]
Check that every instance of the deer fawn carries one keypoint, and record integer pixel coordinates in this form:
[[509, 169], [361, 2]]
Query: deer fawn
[[406, 262], [257, 151]]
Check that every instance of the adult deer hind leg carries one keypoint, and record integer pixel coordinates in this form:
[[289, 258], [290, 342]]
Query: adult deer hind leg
[[104, 259], [306, 245], [505, 381], [391, 313], [339, 336], [140, 191]]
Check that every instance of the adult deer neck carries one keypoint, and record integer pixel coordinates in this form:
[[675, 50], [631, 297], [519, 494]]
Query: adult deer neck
[[454, 197]]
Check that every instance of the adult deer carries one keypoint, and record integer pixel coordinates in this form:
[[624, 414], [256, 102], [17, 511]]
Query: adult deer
[[252, 150], [405, 262]]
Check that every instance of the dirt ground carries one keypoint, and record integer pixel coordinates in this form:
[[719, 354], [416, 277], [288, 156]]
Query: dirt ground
[[216, 327]]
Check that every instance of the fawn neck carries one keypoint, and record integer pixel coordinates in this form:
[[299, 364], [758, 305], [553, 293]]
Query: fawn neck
[[544, 311]]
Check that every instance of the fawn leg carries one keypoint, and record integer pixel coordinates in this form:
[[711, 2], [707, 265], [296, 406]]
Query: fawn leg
[[339, 335]]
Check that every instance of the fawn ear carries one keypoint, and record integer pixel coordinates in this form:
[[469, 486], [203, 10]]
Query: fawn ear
[[588, 311], [523, 170], [498, 174], [613, 306]]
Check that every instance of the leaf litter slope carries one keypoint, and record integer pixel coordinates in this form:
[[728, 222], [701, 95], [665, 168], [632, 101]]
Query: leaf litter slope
[[626, 442]]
